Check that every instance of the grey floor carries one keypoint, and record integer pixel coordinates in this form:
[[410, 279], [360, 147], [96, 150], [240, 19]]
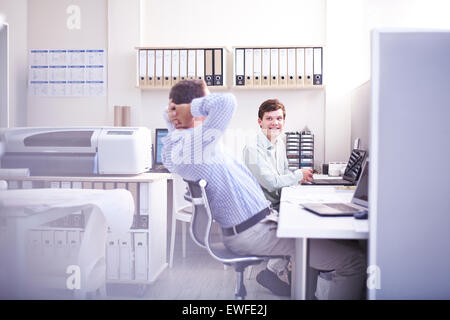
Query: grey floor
[[196, 277]]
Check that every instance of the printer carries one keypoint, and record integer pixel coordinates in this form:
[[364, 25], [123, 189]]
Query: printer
[[77, 150]]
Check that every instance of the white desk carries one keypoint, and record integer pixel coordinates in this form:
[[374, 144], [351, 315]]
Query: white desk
[[296, 222]]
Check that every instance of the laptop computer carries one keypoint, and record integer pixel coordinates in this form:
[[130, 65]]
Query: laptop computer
[[157, 160], [358, 206], [351, 173]]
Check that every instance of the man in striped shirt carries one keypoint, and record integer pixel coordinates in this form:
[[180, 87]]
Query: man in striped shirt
[[196, 121]]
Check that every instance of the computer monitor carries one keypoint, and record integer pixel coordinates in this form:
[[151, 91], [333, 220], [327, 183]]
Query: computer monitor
[[159, 134]]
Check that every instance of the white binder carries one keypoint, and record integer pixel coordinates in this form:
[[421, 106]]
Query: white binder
[[257, 67], [248, 67], [309, 60], [183, 64], [274, 67], [66, 185], [77, 185], [167, 68], [175, 67], [151, 67], [200, 74], [300, 66], [291, 67], [239, 67], [317, 71], [158, 68], [265, 68], [61, 250], [48, 246], [35, 249], [73, 245], [112, 257], [126, 257], [142, 67], [140, 256], [283, 66], [191, 67]]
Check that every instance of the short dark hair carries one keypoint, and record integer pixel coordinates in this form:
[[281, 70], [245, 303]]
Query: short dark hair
[[187, 90], [271, 105]]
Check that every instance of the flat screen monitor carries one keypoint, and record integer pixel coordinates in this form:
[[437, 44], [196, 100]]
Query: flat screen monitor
[[160, 133]]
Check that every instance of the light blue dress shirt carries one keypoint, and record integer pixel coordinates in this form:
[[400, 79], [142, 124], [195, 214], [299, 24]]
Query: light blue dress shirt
[[268, 164], [233, 192]]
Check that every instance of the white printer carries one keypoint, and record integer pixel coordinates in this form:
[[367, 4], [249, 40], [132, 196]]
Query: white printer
[[77, 150]]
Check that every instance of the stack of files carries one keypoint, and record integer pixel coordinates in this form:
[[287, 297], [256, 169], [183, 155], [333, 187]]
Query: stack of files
[[278, 67], [293, 150], [306, 150], [164, 67]]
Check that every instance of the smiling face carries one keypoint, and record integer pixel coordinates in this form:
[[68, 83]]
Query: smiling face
[[272, 124]]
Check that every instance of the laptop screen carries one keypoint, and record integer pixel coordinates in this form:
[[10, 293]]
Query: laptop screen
[[160, 133], [353, 169], [361, 195]]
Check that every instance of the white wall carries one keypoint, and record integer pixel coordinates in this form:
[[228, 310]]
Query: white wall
[[47, 29], [15, 13], [231, 23]]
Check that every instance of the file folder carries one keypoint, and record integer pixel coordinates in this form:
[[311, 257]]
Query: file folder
[[291, 67], [144, 197], [300, 67], [191, 67], [265, 68], [140, 256], [159, 68], [317, 70], [257, 67], [218, 67], [175, 67], [48, 246], [151, 68], [167, 68], [239, 67], [35, 249], [126, 261], [309, 59], [142, 67], [283, 66], [73, 244], [112, 257], [61, 251], [274, 67], [209, 67], [200, 74], [248, 67], [77, 185], [183, 64]]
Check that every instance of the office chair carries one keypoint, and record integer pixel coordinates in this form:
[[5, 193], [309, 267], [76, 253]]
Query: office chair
[[200, 230]]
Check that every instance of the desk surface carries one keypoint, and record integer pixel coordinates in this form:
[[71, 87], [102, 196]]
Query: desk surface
[[143, 177], [296, 222]]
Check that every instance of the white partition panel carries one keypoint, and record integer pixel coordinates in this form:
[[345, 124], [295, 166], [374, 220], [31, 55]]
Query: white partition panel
[[409, 172]]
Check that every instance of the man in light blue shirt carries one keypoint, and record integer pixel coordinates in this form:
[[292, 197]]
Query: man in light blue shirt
[[196, 120], [265, 154]]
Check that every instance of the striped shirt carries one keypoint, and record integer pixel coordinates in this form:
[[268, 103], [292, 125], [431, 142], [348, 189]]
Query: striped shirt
[[234, 194]]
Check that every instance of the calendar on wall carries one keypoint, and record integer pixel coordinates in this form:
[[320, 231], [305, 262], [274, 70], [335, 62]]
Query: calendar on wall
[[67, 72]]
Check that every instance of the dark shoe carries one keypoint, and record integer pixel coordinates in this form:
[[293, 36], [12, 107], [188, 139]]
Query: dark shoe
[[270, 280]]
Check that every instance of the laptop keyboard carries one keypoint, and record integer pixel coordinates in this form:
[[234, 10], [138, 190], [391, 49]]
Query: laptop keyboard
[[342, 207]]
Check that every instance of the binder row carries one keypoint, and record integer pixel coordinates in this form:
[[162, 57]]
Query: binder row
[[54, 250], [166, 67], [300, 150], [127, 257], [288, 66]]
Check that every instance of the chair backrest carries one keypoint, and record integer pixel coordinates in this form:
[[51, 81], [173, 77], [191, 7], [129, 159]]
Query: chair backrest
[[179, 189], [200, 228], [201, 218]]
